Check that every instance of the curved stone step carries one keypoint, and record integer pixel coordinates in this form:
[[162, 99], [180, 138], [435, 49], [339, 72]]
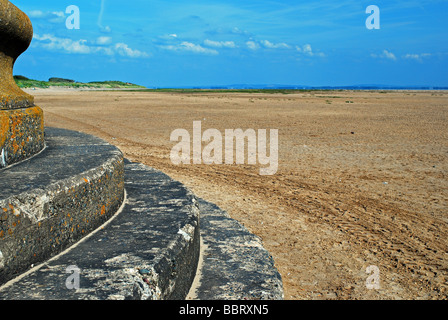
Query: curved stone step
[[50, 201], [149, 250], [233, 265]]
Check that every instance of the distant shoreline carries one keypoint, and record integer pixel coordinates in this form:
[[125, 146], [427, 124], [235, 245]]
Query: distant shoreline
[[56, 89], [62, 89], [70, 85]]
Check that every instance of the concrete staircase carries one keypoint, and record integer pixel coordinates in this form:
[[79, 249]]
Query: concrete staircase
[[129, 232]]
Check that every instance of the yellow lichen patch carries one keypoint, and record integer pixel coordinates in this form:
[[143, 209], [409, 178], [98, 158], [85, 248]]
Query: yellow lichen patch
[[103, 210], [34, 111], [21, 133], [4, 127]]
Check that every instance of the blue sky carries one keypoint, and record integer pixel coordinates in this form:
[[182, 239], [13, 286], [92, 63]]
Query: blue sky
[[160, 43]]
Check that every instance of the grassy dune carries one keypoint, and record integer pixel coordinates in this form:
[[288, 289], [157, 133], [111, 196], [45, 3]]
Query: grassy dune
[[24, 82]]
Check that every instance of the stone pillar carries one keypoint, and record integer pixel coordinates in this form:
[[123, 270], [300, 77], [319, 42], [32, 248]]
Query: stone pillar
[[21, 122]]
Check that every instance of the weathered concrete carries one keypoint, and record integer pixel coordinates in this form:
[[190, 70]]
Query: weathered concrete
[[49, 202], [148, 251], [234, 264], [21, 134]]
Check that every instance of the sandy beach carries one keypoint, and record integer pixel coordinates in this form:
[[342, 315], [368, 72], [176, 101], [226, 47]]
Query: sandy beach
[[362, 177]]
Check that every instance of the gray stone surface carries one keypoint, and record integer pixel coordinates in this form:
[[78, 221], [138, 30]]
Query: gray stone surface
[[57, 197], [67, 154], [21, 134], [147, 251], [150, 250], [235, 265]]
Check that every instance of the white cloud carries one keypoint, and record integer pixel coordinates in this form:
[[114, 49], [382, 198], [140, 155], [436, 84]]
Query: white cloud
[[389, 55], [411, 56], [385, 55], [190, 47], [82, 46], [417, 57], [51, 42], [103, 41], [220, 44], [124, 50], [255, 45], [105, 29], [305, 49], [36, 14], [270, 45], [53, 17], [167, 37], [252, 45], [237, 30], [308, 50]]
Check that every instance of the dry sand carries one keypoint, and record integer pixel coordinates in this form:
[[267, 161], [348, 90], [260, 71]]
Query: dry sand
[[362, 178]]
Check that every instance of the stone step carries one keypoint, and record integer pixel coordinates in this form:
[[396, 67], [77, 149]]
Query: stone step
[[162, 243], [52, 200], [233, 264], [148, 250]]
